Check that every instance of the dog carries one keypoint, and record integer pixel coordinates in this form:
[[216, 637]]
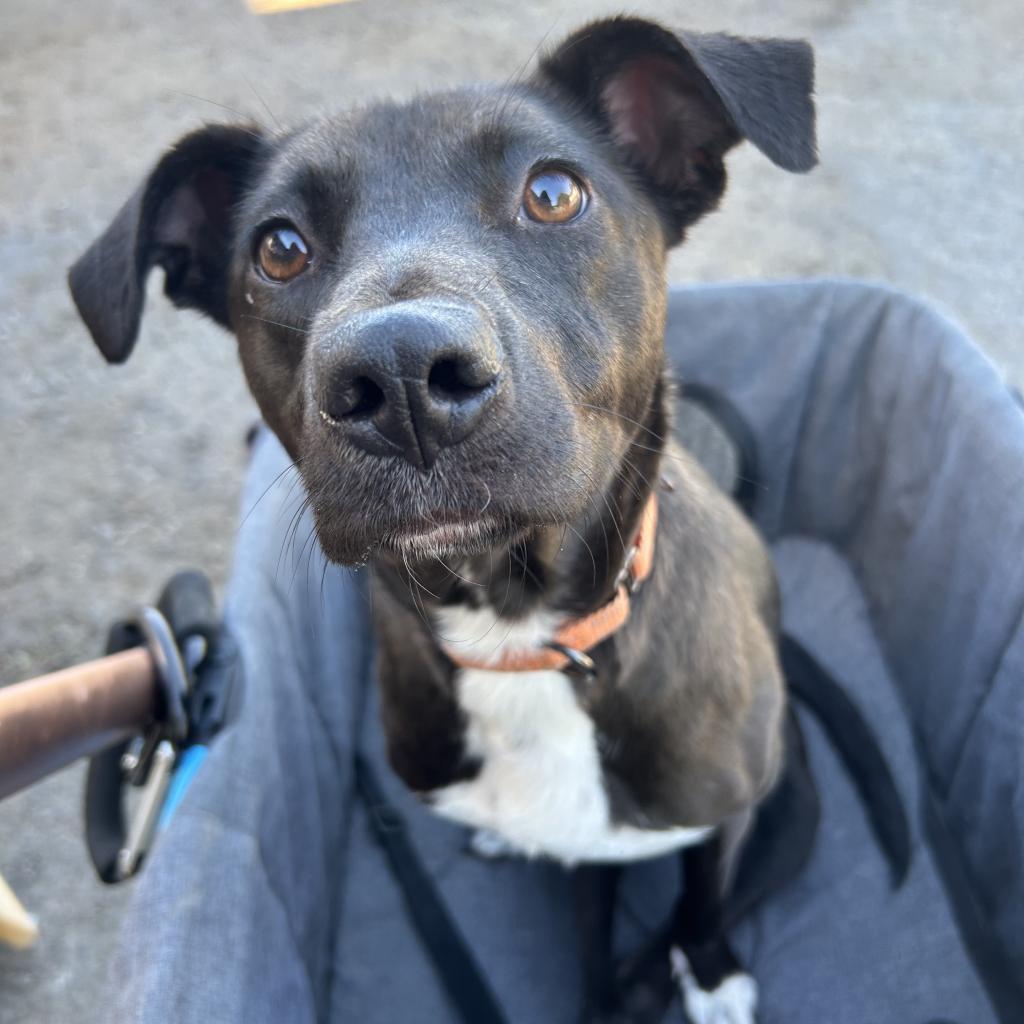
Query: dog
[[450, 311]]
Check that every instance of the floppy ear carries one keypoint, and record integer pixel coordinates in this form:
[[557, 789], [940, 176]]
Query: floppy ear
[[674, 104], [179, 219]]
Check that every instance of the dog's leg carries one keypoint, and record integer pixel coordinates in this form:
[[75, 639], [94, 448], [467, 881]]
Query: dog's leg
[[594, 888], [714, 987]]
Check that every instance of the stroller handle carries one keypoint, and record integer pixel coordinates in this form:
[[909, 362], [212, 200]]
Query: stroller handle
[[52, 720]]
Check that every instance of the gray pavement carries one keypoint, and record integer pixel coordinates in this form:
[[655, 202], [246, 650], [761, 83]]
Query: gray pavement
[[112, 479]]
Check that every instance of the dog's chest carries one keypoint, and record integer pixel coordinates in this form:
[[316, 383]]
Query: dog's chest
[[541, 786]]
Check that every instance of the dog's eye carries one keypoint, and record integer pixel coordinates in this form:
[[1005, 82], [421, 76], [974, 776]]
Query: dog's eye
[[282, 253], [553, 196]]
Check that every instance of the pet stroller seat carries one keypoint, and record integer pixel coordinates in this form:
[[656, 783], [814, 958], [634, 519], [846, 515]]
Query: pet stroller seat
[[892, 493]]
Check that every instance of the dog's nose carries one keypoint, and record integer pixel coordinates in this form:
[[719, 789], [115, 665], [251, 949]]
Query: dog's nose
[[408, 379]]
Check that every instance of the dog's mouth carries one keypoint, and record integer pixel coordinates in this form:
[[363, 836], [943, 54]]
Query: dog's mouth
[[447, 533], [476, 501], [421, 536]]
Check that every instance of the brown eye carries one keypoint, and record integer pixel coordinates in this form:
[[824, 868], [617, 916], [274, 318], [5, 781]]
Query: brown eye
[[553, 197], [282, 254]]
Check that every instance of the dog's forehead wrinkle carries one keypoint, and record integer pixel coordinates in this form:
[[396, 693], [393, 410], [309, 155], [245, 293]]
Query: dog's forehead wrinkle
[[434, 265], [438, 131]]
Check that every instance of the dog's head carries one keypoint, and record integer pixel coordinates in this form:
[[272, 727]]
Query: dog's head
[[451, 310]]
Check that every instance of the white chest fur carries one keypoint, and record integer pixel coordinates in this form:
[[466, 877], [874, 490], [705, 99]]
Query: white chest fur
[[540, 786]]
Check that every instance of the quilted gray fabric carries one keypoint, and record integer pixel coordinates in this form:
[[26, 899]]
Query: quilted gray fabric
[[893, 467]]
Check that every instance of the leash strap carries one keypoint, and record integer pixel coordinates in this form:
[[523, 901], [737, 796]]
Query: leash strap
[[852, 738], [724, 412], [457, 968]]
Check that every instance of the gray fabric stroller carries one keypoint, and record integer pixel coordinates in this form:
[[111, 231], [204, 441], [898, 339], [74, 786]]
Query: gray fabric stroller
[[892, 492]]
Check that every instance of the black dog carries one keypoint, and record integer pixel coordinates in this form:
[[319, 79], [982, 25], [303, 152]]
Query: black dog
[[450, 311]]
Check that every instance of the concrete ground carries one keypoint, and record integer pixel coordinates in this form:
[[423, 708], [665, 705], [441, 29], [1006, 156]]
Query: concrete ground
[[112, 479]]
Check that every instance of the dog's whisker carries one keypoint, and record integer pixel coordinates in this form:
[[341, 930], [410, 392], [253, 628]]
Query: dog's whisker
[[323, 585], [657, 451], [412, 594], [634, 468], [223, 106], [633, 488], [591, 503], [310, 536], [487, 503], [527, 571], [289, 534], [688, 460], [263, 103], [275, 323], [621, 416], [615, 521], [522, 581], [508, 589], [590, 551], [419, 584], [292, 524], [517, 76], [472, 583], [269, 487]]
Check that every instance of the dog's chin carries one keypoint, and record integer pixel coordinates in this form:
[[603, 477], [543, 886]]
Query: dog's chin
[[419, 540]]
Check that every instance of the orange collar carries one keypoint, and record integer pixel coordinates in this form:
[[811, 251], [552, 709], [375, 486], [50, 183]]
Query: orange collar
[[569, 646]]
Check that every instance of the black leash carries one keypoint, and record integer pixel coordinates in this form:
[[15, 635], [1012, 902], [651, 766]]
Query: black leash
[[722, 410], [851, 736], [452, 958]]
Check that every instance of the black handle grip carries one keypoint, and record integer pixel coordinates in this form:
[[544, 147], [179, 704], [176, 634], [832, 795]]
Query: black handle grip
[[188, 606]]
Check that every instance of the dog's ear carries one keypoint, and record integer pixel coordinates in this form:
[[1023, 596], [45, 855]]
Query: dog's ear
[[674, 103], [179, 219]]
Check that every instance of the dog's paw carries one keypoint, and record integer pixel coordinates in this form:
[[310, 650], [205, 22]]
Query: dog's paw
[[733, 1001], [489, 845]]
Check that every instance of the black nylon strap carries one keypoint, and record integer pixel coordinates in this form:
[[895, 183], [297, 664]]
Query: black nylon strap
[[722, 410], [463, 980], [105, 825], [851, 737]]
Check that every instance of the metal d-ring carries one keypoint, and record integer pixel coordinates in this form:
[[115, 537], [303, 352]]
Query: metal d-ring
[[170, 670], [627, 577], [582, 662]]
